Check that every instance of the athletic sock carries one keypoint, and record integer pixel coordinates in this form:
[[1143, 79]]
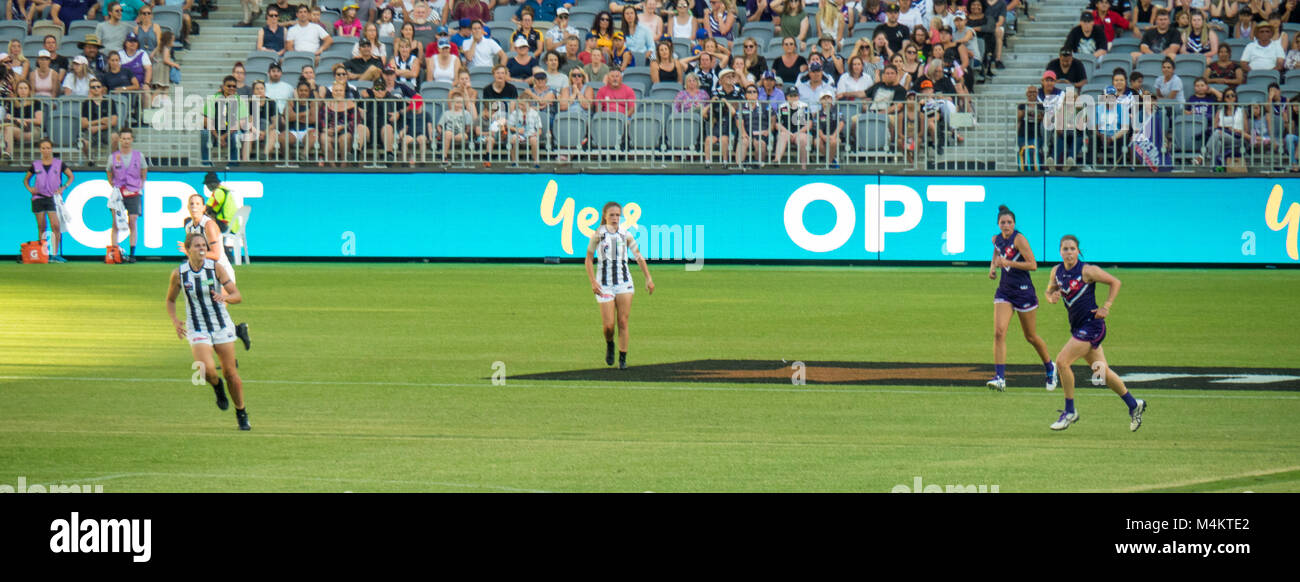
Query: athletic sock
[[1069, 406], [221, 383], [1001, 370], [133, 250], [609, 345], [1130, 401], [1047, 366], [622, 356]]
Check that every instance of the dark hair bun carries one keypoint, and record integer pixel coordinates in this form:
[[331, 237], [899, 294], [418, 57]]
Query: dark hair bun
[[1003, 208]]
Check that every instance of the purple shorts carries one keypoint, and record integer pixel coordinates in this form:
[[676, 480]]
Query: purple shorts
[[1092, 332], [1020, 299]]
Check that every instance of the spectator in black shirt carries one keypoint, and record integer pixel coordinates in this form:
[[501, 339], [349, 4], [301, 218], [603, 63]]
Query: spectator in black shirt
[[365, 66], [1087, 38], [1069, 69], [98, 120], [895, 33], [1161, 39], [1029, 130], [499, 91]]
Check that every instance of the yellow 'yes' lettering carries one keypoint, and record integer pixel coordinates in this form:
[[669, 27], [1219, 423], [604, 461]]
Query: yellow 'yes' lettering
[[1291, 221]]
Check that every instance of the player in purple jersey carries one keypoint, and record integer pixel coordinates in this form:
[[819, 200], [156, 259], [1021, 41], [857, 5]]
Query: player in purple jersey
[[1012, 256], [1073, 283]]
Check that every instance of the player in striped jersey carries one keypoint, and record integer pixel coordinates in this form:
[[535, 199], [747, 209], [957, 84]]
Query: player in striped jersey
[[200, 223], [1073, 282], [1015, 259], [208, 289], [610, 279]]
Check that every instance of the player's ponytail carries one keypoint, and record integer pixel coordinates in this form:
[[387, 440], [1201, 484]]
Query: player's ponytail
[[1002, 209]]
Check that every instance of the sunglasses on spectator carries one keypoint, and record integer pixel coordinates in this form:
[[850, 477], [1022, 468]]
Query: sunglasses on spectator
[[230, 85], [750, 46], [754, 91]]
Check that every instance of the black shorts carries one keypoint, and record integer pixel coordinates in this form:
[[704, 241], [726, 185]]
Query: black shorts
[[43, 204], [133, 204], [721, 127]]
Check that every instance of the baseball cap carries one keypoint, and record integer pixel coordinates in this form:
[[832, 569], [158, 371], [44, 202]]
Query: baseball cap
[[79, 59], [465, 23], [927, 84], [561, 11], [1049, 75], [388, 70], [364, 42], [1110, 90], [441, 30], [539, 75], [959, 14], [132, 37], [211, 178], [1065, 52], [825, 96], [815, 66], [701, 34], [891, 8], [43, 54], [521, 41], [618, 35], [769, 74], [792, 91], [1085, 17]]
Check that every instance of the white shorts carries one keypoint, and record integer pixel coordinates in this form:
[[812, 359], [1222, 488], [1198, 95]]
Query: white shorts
[[607, 293], [224, 335]]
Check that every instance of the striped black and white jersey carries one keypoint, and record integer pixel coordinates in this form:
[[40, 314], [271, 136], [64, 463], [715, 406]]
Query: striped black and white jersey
[[199, 227], [611, 258], [202, 313]]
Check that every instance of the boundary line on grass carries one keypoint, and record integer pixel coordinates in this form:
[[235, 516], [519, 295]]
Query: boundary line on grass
[[974, 390], [323, 479]]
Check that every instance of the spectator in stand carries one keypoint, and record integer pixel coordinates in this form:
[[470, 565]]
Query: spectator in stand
[[98, 121], [407, 65], [524, 126], [383, 111], [545, 98], [1201, 39], [423, 22], [790, 65], [756, 128], [271, 37], [1201, 102], [129, 9], [1225, 71], [1245, 27], [186, 6], [407, 31], [722, 116], [1168, 85], [555, 77], [146, 29], [480, 50], [721, 21], [994, 30], [222, 115], [832, 63], [523, 62], [853, 86], [1052, 99], [60, 64], [455, 125], [895, 32], [1162, 39], [615, 97], [793, 125], [769, 92], [18, 63], [1108, 21], [366, 66], [758, 11], [285, 9], [135, 60], [664, 68], [242, 88], [887, 98], [553, 39], [1111, 122], [25, 118], [463, 33], [692, 97], [263, 121], [619, 56], [307, 36], [1228, 134], [597, 69], [912, 14], [475, 10], [77, 82], [300, 121], [529, 34], [1264, 54], [45, 81], [1087, 38], [338, 123], [442, 67], [441, 35], [811, 90], [386, 24], [1067, 68], [277, 90], [1143, 15], [349, 24], [578, 94], [1030, 129], [117, 79], [498, 93], [681, 21], [112, 32], [830, 129], [65, 12]]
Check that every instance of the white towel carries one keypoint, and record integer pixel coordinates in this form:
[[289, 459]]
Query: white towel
[[61, 210], [118, 206]]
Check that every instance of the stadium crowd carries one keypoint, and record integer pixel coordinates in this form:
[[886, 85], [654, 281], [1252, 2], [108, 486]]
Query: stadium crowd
[[391, 81], [1159, 69]]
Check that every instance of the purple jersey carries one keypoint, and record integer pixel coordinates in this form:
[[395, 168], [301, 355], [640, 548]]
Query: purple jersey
[[1077, 294], [1012, 279]]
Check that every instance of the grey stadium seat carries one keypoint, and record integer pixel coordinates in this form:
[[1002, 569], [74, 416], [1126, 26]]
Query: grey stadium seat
[[682, 132], [569, 130], [606, 131], [871, 133], [645, 132]]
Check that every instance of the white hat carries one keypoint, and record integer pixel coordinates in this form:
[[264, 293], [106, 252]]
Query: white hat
[[521, 41], [561, 10], [42, 54], [81, 60]]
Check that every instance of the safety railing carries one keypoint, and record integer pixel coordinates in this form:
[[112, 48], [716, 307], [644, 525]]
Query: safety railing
[[922, 133]]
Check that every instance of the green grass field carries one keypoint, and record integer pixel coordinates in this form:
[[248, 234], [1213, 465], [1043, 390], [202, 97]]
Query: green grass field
[[376, 378]]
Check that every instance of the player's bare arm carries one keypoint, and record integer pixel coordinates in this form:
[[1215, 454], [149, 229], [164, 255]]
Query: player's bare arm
[[174, 289], [640, 260], [589, 262], [1094, 274]]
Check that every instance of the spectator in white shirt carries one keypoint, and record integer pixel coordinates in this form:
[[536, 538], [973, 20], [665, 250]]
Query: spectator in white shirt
[[307, 36], [480, 50], [1263, 54]]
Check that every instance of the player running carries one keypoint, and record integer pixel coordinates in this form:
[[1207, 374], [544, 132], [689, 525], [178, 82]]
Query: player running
[[1073, 281], [208, 289], [610, 279], [1011, 254], [200, 223]]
